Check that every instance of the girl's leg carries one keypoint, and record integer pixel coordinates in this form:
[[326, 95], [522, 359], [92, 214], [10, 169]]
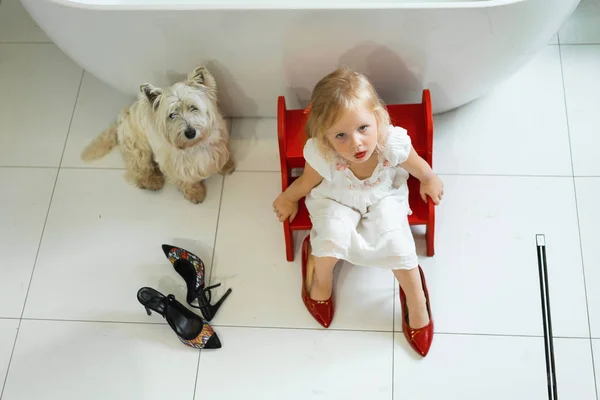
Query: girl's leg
[[410, 280], [332, 226], [319, 277]]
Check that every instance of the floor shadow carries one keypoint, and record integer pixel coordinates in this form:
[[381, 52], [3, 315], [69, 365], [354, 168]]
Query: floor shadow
[[233, 102]]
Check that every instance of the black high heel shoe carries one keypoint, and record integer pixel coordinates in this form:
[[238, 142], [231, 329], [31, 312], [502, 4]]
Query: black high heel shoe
[[191, 269], [189, 327]]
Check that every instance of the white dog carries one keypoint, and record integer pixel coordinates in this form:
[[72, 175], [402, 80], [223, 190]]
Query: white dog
[[177, 133]]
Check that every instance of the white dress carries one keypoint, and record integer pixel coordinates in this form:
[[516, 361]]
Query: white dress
[[364, 222]]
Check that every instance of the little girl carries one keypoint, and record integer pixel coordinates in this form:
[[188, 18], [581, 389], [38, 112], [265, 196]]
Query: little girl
[[355, 184]]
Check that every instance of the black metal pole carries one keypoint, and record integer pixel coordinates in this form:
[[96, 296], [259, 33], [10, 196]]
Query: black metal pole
[[547, 319]]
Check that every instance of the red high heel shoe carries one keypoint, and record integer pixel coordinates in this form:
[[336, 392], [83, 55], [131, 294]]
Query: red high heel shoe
[[419, 339], [321, 310]]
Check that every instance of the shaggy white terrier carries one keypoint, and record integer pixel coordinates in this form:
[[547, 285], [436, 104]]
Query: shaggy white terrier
[[177, 133]]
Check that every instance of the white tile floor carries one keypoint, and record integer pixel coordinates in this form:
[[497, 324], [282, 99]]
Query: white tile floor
[[78, 242]]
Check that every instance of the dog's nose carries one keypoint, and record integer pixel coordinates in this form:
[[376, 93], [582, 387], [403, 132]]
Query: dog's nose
[[190, 133]]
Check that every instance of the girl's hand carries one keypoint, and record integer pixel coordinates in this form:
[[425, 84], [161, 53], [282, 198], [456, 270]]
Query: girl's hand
[[284, 208], [433, 188]]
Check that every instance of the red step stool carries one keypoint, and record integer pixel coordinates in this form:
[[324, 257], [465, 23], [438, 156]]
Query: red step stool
[[417, 119]]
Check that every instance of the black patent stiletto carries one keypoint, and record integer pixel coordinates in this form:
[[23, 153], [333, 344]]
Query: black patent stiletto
[[191, 269], [189, 327]]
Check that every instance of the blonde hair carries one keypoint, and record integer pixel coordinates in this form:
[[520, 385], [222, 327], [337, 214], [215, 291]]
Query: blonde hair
[[336, 94]]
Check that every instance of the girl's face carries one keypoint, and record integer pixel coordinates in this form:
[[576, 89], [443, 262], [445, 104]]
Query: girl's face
[[354, 136]]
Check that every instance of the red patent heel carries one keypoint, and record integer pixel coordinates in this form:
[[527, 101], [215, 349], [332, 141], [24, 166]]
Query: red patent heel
[[419, 339], [321, 310]]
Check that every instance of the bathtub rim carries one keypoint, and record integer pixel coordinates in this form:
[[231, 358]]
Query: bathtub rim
[[382, 5]]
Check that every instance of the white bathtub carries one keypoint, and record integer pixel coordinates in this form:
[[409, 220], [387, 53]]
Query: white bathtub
[[261, 49]]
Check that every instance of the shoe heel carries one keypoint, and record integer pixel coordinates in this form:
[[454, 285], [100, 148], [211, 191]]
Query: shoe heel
[[148, 311], [210, 310], [215, 307], [204, 298], [419, 339]]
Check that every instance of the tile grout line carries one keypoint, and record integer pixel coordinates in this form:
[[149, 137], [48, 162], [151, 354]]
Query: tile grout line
[[9, 360], [212, 261], [62, 156], [587, 306], [562, 77], [29, 286], [585, 286], [299, 328], [278, 172], [41, 238], [212, 264], [197, 371], [505, 175], [578, 44], [28, 167], [27, 43], [91, 321]]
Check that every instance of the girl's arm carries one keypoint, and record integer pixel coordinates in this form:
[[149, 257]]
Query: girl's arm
[[418, 167], [431, 184], [286, 204], [304, 184]]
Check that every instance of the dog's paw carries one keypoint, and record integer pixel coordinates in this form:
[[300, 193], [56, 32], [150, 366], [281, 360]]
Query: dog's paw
[[228, 168], [152, 182], [195, 193]]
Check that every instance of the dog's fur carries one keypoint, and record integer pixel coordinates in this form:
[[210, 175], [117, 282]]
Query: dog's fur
[[177, 133]]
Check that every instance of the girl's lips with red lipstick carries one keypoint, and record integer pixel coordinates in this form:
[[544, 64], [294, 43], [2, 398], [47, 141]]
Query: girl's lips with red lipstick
[[360, 155]]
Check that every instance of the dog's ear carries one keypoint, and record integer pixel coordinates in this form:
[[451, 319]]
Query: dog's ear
[[152, 93], [201, 76]]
